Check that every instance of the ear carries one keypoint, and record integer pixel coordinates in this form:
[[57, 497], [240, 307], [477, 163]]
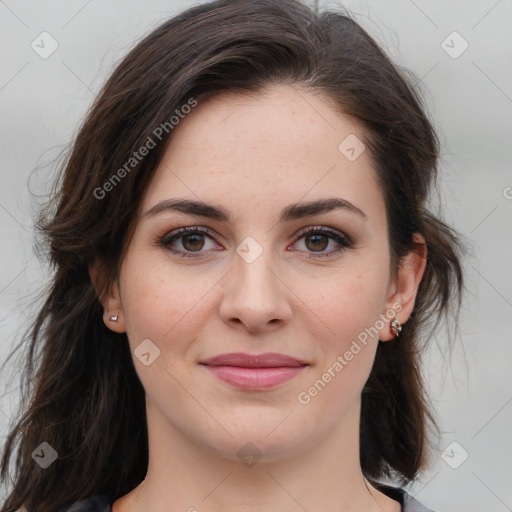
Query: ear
[[403, 288], [109, 297]]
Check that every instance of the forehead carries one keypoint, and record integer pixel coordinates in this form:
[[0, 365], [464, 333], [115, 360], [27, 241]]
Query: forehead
[[291, 117], [284, 141]]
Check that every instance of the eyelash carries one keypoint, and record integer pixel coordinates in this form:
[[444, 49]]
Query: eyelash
[[344, 241]]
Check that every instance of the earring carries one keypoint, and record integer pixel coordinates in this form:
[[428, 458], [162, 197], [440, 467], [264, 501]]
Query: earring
[[113, 318], [396, 327]]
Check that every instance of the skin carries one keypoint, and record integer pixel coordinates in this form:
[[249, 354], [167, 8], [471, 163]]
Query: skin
[[255, 155]]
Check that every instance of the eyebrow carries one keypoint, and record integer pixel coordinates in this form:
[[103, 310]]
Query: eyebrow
[[291, 212]]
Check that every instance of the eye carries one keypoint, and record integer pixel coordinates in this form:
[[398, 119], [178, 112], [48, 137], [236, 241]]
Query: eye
[[189, 242], [317, 239]]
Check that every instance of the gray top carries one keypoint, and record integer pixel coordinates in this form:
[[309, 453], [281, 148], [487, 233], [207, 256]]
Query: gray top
[[408, 502], [99, 503]]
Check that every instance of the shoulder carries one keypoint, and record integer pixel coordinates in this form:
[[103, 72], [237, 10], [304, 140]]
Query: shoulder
[[95, 503], [408, 502], [102, 503], [413, 505]]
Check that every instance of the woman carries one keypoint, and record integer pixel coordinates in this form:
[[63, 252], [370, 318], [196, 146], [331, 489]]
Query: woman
[[245, 271]]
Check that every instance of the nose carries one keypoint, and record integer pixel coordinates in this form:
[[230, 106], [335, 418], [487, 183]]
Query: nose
[[255, 297]]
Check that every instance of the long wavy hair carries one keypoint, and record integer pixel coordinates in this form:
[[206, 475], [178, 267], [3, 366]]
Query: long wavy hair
[[83, 396]]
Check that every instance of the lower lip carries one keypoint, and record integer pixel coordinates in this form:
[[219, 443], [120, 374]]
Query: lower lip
[[255, 378]]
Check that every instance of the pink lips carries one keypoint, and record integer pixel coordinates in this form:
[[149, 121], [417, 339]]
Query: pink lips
[[262, 371]]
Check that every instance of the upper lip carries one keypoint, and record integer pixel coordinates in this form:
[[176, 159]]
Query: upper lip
[[267, 360]]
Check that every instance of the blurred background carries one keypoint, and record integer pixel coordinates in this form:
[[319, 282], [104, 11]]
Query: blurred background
[[57, 54]]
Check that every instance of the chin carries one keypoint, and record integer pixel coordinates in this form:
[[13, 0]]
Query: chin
[[262, 442]]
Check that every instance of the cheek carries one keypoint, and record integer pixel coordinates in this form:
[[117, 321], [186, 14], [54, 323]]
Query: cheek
[[349, 300], [350, 307], [161, 305], [166, 308]]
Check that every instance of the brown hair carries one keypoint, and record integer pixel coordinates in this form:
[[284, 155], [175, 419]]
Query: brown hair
[[86, 400]]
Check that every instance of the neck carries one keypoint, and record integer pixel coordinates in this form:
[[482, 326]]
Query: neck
[[183, 475]]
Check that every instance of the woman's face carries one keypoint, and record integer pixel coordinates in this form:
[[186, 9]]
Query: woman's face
[[251, 281]]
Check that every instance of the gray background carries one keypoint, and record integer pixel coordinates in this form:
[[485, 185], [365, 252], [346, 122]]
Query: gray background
[[470, 99]]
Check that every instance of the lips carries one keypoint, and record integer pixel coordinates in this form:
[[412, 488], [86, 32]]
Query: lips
[[268, 360], [254, 372]]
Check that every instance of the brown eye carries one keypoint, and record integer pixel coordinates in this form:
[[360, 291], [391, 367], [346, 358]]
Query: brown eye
[[192, 242], [317, 240], [187, 241]]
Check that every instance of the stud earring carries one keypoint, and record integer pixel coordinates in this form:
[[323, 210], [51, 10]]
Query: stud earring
[[113, 318], [396, 327]]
